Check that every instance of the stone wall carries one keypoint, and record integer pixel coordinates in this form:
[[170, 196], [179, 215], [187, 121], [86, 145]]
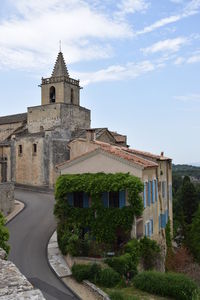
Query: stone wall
[[14, 285], [7, 129], [6, 197]]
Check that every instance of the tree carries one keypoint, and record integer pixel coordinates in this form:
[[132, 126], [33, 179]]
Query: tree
[[194, 236], [4, 234]]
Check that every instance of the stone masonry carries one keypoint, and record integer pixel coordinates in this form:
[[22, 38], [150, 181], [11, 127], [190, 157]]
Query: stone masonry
[[6, 197]]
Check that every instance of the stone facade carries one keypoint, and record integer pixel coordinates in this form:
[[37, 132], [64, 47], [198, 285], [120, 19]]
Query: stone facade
[[6, 197], [14, 285]]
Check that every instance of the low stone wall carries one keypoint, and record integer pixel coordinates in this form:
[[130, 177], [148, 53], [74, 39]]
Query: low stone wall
[[14, 285], [95, 290], [6, 197], [71, 260]]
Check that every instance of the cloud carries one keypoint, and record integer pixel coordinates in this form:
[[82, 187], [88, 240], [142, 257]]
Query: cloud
[[169, 45], [194, 59], [130, 7], [117, 72], [188, 98], [35, 28], [189, 10]]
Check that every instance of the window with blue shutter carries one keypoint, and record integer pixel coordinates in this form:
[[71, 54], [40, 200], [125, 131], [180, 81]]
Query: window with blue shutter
[[122, 198], [163, 220], [151, 226], [146, 228], [156, 183], [105, 199], [70, 199], [166, 216], [149, 193], [85, 200], [153, 191], [144, 196], [163, 189]]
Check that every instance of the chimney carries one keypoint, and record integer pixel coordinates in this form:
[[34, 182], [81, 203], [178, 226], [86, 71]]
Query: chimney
[[162, 153], [90, 135]]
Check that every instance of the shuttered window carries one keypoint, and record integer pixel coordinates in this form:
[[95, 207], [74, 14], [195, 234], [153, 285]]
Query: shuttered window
[[145, 195]]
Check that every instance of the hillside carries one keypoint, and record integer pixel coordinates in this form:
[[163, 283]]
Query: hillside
[[186, 170]]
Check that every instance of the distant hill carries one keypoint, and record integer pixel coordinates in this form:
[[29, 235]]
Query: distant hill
[[186, 170]]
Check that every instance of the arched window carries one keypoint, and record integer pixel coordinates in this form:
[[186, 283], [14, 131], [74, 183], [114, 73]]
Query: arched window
[[72, 96], [52, 94]]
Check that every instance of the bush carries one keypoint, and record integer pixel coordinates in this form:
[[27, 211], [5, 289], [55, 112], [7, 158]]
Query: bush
[[4, 234], [109, 277], [116, 296], [81, 272], [149, 250], [123, 264], [86, 272], [173, 285]]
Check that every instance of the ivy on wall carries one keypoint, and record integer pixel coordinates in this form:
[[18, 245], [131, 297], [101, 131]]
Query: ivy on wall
[[102, 222]]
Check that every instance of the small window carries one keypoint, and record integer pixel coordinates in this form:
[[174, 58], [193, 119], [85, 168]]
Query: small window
[[52, 94], [114, 199], [72, 96], [34, 149], [78, 199], [20, 150]]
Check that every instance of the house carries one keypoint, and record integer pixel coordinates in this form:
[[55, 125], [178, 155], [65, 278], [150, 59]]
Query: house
[[88, 155]]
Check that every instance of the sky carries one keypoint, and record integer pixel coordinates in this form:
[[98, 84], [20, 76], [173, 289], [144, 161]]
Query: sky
[[138, 62]]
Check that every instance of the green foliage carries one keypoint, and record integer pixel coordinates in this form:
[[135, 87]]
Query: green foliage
[[168, 235], [173, 285], [93, 272], [149, 250], [194, 236], [124, 265], [81, 272], [116, 296], [4, 235], [109, 277], [102, 222]]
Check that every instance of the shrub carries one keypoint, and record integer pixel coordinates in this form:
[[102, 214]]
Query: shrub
[[4, 235], [116, 296], [109, 277], [149, 250], [81, 272], [133, 248], [173, 285], [123, 264]]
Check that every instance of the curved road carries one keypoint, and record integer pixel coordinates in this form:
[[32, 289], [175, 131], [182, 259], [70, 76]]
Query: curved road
[[29, 234]]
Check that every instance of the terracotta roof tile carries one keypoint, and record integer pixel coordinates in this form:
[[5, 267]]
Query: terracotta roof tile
[[13, 119], [146, 154]]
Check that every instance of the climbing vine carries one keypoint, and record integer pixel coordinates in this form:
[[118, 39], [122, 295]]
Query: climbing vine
[[102, 223]]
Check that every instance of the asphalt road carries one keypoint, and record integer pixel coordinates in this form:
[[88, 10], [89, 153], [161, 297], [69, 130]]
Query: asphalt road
[[29, 234]]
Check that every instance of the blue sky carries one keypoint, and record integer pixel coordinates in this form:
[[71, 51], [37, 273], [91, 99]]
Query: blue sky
[[138, 61]]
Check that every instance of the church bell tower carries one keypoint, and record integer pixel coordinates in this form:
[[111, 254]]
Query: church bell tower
[[60, 88]]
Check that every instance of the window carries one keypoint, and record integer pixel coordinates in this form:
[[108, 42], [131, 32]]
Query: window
[[78, 199], [72, 96], [52, 94], [34, 149], [149, 228], [163, 189], [20, 150], [113, 199]]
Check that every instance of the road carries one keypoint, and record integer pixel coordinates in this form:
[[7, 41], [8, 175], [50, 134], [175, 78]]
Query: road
[[29, 234]]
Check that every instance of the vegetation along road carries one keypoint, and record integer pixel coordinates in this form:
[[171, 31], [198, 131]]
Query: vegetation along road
[[29, 235]]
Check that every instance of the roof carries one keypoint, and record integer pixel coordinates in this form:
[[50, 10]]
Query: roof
[[146, 154], [81, 133], [13, 119], [118, 152], [60, 68]]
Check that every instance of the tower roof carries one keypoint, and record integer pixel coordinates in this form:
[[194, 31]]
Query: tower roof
[[60, 68]]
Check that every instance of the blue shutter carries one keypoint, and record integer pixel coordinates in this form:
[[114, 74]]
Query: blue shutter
[[144, 196], [149, 193], [153, 191], [151, 226], [105, 199], [146, 233], [163, 220], [166, 216], [156, 182], [122, 198], [159, 222], [85, 200], [70, 199]]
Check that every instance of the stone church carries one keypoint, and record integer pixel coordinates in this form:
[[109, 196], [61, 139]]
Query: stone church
[[33, 143]]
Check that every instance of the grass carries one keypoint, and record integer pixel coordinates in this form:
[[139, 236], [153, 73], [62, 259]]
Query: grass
[[131, 293]]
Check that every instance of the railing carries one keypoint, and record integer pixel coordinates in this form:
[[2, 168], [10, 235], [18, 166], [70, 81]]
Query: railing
[[59, 79]]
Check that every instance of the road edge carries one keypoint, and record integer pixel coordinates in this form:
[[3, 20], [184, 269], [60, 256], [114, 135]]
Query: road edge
[[14, 214], [53, 270]]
